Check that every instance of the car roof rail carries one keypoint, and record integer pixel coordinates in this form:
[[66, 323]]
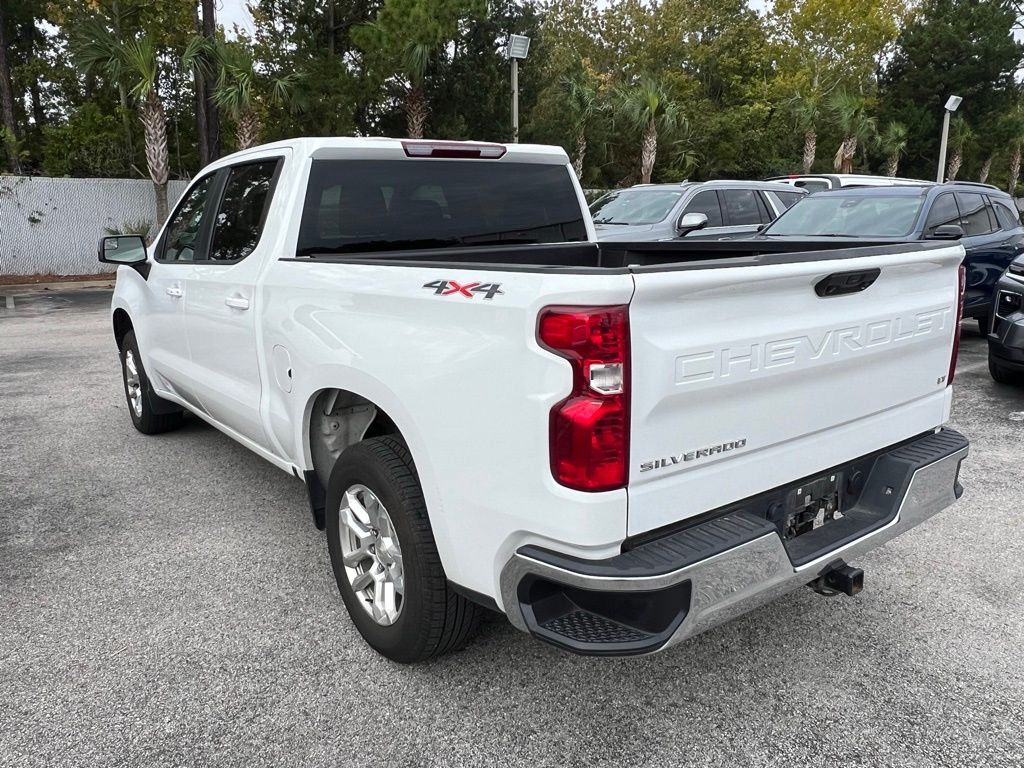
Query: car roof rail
[[974, 184]]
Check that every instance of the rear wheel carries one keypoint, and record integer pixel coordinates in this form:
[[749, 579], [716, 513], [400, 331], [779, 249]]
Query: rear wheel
[[150, 413], [385, 559], [1002, 374]]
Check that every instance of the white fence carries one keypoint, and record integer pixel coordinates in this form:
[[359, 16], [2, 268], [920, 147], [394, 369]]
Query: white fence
[[52, 225]]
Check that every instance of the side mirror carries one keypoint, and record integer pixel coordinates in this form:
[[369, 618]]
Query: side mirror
[[691, 222], [947, 232], [122, 249]]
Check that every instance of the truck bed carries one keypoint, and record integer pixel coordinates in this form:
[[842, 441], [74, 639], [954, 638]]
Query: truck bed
[[628, 257]]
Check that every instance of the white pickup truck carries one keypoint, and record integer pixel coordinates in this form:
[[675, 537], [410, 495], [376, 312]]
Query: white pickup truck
[[617, 445]]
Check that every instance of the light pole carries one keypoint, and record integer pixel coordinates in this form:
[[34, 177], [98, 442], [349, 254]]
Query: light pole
[[951, 106], [518, 48]]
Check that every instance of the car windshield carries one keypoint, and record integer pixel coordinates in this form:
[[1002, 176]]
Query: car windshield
[[634, 206], [832, 215]]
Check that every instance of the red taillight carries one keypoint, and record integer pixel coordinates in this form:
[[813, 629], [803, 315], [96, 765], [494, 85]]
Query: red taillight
[[956, 328], [589, 430], [453, 149]]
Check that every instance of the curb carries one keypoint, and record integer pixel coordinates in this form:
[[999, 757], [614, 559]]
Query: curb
[[55, 286]]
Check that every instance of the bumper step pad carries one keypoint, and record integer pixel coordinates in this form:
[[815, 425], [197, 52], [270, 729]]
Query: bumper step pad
[[631, 603]]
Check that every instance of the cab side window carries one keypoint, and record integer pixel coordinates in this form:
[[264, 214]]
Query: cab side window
[[943, 212], [181, 241], [243, 210], [974, 216], [706, 202], [741, 207]]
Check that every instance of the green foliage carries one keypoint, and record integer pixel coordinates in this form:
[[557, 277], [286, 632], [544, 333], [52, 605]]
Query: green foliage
[[729, 92], [88, 144], [132, 227], [961, 47]]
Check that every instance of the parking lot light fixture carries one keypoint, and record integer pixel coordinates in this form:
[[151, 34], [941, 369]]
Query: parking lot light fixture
[[952, 104], [518, 48]]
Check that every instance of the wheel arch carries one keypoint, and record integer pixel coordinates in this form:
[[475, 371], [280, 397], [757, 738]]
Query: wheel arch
[[122, 325], [391, 417], [336, 418]]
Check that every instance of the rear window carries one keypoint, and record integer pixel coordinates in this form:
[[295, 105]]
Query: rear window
[[836, 215], [635, 206], [812, 185], [392, 205], [787, 198]]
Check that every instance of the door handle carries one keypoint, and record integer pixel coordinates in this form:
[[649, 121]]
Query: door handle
[[175, 291], [237, 302]]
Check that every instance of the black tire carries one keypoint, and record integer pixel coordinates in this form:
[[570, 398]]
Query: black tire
[[158, 415], [1003, 375], [433, 619]]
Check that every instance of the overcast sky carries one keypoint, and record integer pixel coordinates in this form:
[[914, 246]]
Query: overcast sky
[[232, 12]]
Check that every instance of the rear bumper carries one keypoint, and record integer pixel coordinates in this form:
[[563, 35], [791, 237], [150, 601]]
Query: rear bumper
[[1006, 341], [676, 586]]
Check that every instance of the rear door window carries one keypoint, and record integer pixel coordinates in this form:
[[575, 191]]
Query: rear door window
[[943, 211], [243, 210], [706, 202], [394, 205], [974, 216], [741, 207]]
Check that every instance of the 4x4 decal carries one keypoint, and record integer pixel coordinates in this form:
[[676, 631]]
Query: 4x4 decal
[[469, 290]]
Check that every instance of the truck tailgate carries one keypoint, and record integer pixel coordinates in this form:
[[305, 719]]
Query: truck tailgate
[[745, 378]]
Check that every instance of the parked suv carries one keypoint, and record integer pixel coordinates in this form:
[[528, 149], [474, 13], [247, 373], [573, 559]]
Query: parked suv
[[817, 182], [710, 209], [1006, 335], [984, 219]]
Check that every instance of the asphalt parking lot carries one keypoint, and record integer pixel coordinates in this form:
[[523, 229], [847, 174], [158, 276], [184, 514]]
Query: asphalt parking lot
[[166, 601]]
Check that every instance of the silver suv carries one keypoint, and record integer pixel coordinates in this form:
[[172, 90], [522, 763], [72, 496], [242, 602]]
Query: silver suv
[[695, 209]]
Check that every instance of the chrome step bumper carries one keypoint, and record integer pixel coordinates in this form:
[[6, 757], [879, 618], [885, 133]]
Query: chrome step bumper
[[675, 587]]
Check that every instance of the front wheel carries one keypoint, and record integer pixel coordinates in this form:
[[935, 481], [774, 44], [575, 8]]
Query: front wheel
[[384, 556], [150, 413]]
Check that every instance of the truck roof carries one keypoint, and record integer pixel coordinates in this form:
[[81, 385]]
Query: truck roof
[[352, 147]]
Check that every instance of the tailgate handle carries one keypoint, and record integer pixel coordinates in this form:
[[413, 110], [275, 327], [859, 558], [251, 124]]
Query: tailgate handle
[[842, 283]]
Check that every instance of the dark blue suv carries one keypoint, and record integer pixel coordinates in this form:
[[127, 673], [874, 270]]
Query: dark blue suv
[[984, 219]]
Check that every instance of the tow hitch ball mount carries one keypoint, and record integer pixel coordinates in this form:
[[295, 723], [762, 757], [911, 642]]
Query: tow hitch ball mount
[[839, 578]]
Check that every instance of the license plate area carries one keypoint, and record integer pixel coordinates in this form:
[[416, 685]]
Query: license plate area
[[811, 505]]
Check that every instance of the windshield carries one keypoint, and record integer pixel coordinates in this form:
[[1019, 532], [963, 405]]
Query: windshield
[[357, 206], [853, 216], [634, 206]]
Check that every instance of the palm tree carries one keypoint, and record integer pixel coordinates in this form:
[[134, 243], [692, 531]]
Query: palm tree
[[415, 59], [806, 109], [961, 135], [239, 90], [134, 61], [646, 107], [850, 115], [986, 169], [893, 142], [583, 102], [1011, 127]]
